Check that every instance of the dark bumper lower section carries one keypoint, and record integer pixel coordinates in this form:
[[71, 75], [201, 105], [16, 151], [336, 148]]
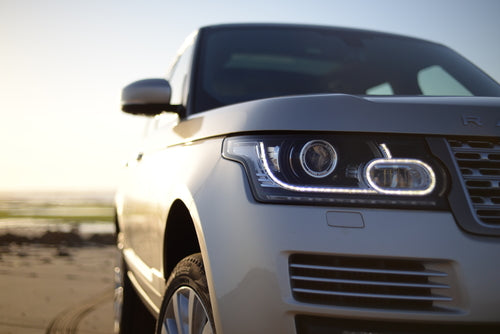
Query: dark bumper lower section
[[319, 325]]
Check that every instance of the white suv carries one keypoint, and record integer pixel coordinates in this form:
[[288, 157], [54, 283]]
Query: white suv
[[306, 179]]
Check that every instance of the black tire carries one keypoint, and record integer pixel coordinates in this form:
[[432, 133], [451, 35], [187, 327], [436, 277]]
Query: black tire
[[188, 279], [131, 316]]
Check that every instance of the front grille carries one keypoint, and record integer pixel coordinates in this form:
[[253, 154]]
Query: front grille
[[479, 163], [362, 282]]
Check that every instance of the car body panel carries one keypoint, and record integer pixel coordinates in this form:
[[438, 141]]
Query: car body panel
[[143, 214], [424, 115], [251, 243]]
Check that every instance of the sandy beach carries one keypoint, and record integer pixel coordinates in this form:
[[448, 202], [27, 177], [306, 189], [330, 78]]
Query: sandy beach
[[57, 259], [49, 289]]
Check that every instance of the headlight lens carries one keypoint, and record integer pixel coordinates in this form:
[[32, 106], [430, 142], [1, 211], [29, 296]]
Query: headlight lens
[[318, 158], [339, 169], [400, 177]]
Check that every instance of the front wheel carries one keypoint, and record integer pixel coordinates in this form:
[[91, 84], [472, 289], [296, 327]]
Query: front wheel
[[186, 305]]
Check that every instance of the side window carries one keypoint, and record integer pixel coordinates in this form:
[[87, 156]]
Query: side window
[[434, 80], [382, 89], [178, 78]]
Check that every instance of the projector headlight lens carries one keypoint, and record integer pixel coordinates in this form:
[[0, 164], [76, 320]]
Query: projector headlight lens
[[318, 158]]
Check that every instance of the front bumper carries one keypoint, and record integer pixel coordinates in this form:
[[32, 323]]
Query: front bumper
[[248, 247]]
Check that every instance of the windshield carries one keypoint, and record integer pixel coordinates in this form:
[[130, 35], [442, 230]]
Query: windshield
[[250, 62]]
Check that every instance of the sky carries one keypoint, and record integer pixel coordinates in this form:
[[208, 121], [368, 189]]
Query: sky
[[63, 65]]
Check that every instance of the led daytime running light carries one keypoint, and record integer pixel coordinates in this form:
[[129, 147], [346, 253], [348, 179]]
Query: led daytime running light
[[404, 162], [306, 189]]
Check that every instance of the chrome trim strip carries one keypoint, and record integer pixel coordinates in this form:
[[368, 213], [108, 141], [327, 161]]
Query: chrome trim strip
[[372, 295], [373, 271], [134, 261], [377, 283]]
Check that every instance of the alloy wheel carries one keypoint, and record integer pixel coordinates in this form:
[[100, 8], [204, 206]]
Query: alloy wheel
[[186, 314]]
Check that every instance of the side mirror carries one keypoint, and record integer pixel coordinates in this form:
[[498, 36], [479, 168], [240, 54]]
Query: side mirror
[[147, 97]]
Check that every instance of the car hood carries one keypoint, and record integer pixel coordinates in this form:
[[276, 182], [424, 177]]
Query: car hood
[[463, 116]]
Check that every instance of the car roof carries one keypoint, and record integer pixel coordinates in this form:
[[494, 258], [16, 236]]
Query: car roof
[[313, 27]]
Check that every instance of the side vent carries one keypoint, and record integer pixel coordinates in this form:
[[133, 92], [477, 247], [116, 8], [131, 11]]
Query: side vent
[[366, 282], [479, 163]]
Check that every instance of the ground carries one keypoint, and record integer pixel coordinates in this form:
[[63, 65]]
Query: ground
[[56, 288]]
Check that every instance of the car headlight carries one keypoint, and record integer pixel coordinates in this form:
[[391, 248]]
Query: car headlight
[[340, 169]]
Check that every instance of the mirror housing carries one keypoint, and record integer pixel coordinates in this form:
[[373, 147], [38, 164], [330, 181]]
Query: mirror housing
[[147, 97]]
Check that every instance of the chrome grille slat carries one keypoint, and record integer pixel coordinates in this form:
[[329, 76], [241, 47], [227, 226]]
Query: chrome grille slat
[[378, 296], [479, 163], [480, 177], [373, 271], [406, 285], [488, 206], [368, 282]]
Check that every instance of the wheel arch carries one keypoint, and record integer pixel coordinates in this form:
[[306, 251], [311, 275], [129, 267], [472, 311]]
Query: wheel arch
[[181, 236]]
